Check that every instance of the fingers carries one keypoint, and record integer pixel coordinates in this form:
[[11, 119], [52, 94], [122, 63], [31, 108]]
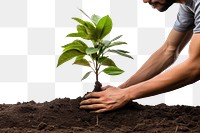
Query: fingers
[[92, 106], [99, 111], [93, 95], [90, 101], [105, 87], [94, 101]]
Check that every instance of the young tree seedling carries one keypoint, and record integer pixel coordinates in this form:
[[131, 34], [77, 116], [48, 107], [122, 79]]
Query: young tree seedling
[[94, 56]]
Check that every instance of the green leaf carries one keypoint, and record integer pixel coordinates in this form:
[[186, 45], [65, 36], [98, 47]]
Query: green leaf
[[101, 48], [106, 42], [106, 61], [116, 38], [79, 20], [95, 19], [68, 55], [94, 56], [75, 35], [80, 57], [121, 53], [81, 34], [81, 29], [90, 30], [103, 27], [86, 75], [113, 70], [116, 43], [85, 31], [85, 25], [109, 44], [94, 43], [91, 50], [76, 44], [82, 62], [100, 60]]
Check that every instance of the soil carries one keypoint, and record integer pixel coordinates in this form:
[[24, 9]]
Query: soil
[[64, 116]]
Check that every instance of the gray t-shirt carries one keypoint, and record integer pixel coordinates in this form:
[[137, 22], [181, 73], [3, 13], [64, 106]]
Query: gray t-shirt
[[188, 17]]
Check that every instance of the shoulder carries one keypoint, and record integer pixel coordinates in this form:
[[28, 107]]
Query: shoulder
[[185, 19]]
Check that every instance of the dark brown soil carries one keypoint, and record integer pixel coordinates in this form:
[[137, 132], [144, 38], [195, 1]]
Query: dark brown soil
[[64, 116]]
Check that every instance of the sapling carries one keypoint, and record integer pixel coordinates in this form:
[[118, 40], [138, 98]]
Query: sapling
[[94, 56]]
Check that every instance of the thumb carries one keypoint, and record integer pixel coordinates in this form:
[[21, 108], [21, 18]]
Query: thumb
[[105, 87]]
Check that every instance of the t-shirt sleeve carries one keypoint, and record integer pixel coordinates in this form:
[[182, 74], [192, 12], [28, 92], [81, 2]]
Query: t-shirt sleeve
[[185, 19], [197, 18]]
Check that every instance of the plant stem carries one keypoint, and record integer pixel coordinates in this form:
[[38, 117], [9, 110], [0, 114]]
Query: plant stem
[[96, 71]]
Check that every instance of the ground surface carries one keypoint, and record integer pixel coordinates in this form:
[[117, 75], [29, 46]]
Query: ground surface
[[64, 116]]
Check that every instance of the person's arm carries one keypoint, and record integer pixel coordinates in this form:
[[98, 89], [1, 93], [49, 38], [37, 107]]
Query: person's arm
[[114, 97], [183, 74], [161, 59]]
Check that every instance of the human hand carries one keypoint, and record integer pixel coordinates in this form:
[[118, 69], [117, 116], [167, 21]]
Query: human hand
[[110, 98]]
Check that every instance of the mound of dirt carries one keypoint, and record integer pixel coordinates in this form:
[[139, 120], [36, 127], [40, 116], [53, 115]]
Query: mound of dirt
[[64, 116]]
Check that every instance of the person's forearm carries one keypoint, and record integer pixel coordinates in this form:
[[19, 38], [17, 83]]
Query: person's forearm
[[186, 73], [158, 62], [161, 59]]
